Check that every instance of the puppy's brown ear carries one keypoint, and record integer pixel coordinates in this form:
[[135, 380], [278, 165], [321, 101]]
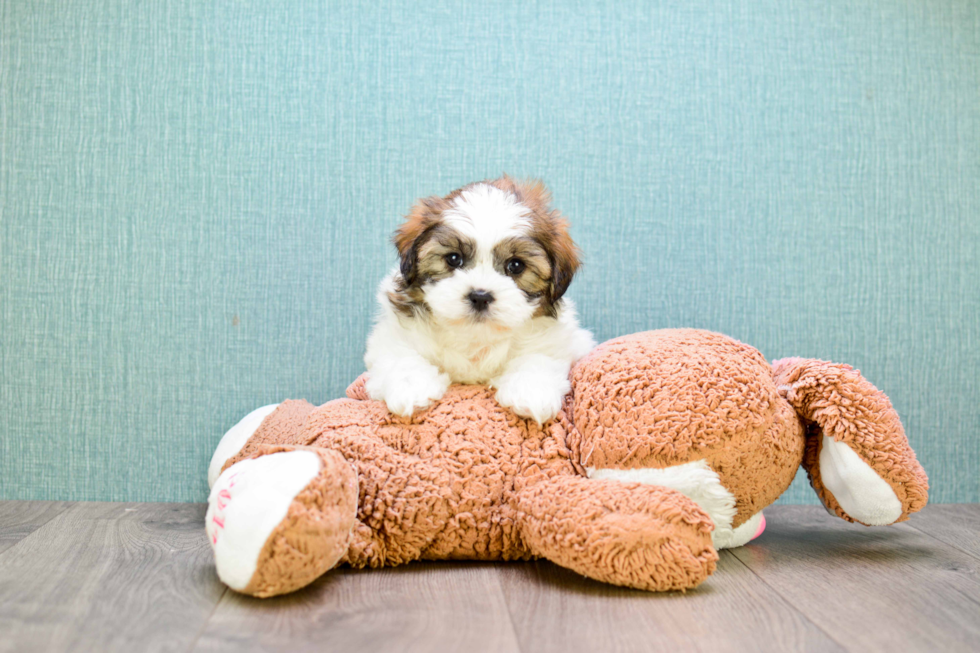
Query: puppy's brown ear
[[550, 229], [426, 214], [564, 256]]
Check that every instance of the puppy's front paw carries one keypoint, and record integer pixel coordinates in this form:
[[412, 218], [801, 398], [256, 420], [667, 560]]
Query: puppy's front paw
[[532, 395], [407, 389], [406, 399]]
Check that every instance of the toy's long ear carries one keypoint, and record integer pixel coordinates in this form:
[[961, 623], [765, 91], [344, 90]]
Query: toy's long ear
[[857, 456], [426, 214]]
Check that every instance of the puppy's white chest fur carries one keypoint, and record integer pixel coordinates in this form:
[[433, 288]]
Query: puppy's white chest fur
[[473, 360], [480, 353]]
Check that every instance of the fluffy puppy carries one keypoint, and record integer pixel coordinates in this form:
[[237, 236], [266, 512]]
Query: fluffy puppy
[[477, 298]]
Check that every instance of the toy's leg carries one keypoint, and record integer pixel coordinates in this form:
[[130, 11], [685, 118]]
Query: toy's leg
[[640, 536], [695, 480], [701, 484], [233, 441], [406, 504], [273, 424], [278, 521], [857, 456]]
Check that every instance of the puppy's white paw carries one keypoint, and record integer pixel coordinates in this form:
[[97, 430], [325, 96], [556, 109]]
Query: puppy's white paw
[[537, 396], [407, 389]]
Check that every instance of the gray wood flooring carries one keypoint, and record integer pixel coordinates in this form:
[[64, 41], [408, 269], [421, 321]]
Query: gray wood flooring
[[139, 577]]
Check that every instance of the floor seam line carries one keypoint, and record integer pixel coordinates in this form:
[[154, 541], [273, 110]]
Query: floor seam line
[[200, 631], [71, 508]]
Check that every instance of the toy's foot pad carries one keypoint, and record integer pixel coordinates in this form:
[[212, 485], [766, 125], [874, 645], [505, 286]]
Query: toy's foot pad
[[278, 521]]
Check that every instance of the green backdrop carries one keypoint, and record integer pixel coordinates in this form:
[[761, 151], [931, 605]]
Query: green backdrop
[[196, 199]]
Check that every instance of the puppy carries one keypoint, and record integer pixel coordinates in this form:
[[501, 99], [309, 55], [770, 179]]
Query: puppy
[[477, 298]]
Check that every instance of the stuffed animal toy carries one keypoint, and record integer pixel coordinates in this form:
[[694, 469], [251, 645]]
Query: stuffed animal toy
[[667, 449]]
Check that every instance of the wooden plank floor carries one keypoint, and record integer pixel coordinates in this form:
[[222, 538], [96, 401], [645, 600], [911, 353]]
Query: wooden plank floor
[[139, 577]]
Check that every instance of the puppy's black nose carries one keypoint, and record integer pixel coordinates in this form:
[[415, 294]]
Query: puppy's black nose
[[480, 299]]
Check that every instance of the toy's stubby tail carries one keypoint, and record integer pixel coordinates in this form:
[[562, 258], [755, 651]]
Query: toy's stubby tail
[[857, 456]]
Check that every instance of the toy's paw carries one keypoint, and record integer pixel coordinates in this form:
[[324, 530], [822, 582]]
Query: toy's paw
[[698, 482], [536, 394], [279, 521], [236, 437], [408, 388], [641, 536]]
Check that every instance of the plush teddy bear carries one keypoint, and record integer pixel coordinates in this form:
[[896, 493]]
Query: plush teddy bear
[[667, 449]]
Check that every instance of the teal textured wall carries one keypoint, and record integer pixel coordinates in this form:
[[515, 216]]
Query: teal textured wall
[[196, 199]]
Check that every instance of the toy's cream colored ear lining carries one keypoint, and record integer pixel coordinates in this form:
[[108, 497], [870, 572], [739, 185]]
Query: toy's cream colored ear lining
[[858, 489]]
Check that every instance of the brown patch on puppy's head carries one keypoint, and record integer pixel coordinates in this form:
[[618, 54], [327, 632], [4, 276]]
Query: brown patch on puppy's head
[[550, 229], [423, 242], [535, 274], [425, 216], [532, 193]]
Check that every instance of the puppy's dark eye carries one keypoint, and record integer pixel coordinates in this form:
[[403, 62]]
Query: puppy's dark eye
[[454, 260], [515, 266]]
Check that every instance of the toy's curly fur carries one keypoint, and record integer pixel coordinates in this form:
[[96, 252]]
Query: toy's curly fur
[[467, 479]]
